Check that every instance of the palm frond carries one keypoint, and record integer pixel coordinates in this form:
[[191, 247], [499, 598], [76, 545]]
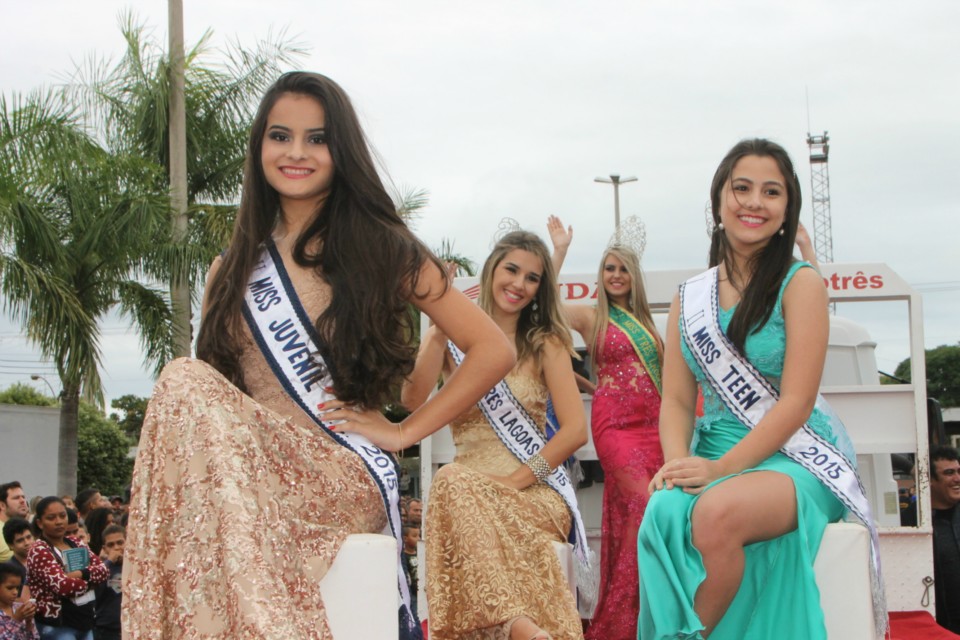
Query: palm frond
[[409, 201], [152, 315], [447, 254]]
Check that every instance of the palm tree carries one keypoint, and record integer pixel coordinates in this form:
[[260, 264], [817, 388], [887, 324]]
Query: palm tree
[[75, 224], [410, 201], [464, 265], [127, 104]]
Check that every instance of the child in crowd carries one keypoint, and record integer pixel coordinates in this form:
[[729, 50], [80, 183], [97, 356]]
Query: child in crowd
[[16, 618]]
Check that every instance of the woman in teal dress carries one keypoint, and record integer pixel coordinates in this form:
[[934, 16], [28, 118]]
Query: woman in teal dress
[[727, 545]]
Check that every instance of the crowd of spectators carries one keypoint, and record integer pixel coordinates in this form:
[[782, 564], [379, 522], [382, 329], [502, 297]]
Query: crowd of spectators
[[411, 513], [47, 588]]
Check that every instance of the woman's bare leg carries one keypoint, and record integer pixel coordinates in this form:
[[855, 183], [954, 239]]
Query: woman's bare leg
[[756, 506]]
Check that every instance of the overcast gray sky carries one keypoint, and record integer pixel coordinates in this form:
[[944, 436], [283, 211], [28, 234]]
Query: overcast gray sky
[[511, 108]]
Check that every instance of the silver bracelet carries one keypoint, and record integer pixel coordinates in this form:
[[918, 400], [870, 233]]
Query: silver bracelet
[[539, 466]]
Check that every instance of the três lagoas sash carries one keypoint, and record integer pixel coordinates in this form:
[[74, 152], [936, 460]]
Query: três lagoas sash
[[291, 346], [521, 436]]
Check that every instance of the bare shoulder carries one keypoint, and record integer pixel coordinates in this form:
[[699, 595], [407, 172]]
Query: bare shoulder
[[214, 269], [554, 349], [806, 285], [431, 281]]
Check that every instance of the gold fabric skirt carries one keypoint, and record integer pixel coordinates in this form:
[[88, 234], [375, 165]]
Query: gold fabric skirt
[[236, 514], [490, 556]]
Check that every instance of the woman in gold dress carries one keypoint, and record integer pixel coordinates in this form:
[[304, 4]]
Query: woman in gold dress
[[492, 515], [249, 475]]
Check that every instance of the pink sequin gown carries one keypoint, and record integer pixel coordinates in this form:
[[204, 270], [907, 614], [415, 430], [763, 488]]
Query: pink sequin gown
[[239, 506], [624, 420]]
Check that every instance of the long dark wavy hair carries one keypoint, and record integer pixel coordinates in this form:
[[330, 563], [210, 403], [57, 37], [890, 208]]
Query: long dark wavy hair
[[768, 267], [369, 257], [535, 325]]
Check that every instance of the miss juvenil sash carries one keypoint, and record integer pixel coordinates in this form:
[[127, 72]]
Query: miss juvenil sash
[[289, 342], [749, 396], [643, 343], [519, 433]]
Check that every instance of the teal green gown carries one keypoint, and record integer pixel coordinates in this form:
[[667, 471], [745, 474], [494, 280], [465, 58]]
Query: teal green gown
[[778, 597]]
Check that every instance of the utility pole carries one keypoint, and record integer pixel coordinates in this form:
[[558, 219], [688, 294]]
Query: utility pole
[[616, 181], [179, 283]]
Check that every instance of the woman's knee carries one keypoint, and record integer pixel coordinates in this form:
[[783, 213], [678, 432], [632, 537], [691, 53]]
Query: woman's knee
[[666, 510], [714, 524]]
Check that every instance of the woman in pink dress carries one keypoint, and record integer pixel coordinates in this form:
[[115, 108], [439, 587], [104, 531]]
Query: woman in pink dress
[[626, 352]]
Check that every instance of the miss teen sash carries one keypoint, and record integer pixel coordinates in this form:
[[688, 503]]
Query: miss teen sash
[[519, 433], [749, 396], [289, 342], [643, 343]]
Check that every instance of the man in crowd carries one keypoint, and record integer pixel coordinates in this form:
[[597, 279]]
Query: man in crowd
[[13, 504], [109, 594], [88, 500], [414, 513], [944, 498]]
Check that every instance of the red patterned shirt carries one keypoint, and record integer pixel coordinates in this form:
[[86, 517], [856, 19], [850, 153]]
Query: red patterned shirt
[[48, 582]]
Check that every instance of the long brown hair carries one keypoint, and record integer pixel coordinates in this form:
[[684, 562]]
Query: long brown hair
[[637, 303], [367, 254], [768, 267], [543, 317]]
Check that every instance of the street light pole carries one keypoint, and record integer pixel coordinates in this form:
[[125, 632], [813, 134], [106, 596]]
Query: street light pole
[[34, 376], [616, 181]]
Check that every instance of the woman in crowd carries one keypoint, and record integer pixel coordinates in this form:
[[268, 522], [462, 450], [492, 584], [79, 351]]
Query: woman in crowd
[[739, 507], [260, 457], [626, 352], [64, 597], [492, 571]]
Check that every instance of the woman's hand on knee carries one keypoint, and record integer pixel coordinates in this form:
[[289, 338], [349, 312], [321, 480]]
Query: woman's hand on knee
[[369, 423], [692, 473], [659, 482]]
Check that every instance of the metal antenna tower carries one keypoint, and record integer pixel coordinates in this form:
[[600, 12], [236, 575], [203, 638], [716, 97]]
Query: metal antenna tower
[[820, 189]]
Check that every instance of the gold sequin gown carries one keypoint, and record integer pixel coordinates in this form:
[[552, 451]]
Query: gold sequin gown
[[239, 506], [489, 552]]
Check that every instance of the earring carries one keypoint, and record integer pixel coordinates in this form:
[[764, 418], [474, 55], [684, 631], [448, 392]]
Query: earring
[[782, 231], [720, 226], [535, 306]]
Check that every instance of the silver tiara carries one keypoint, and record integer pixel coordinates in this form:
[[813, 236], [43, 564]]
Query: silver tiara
[[632, 234], [708, 219], [507, 225]]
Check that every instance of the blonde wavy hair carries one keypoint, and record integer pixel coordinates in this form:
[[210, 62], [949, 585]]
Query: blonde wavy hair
[[636, 302], [534, 326]]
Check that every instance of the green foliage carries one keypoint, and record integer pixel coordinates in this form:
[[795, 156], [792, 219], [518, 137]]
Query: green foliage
[[410, 201], [75, 223], [103, 453], [19, 393], [85, 215], [943, 374], [127, 102], [134, 409], [447, 255]]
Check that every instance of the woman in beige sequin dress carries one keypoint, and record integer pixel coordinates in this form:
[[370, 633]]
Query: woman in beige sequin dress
[[491, 569], [240, 499]]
